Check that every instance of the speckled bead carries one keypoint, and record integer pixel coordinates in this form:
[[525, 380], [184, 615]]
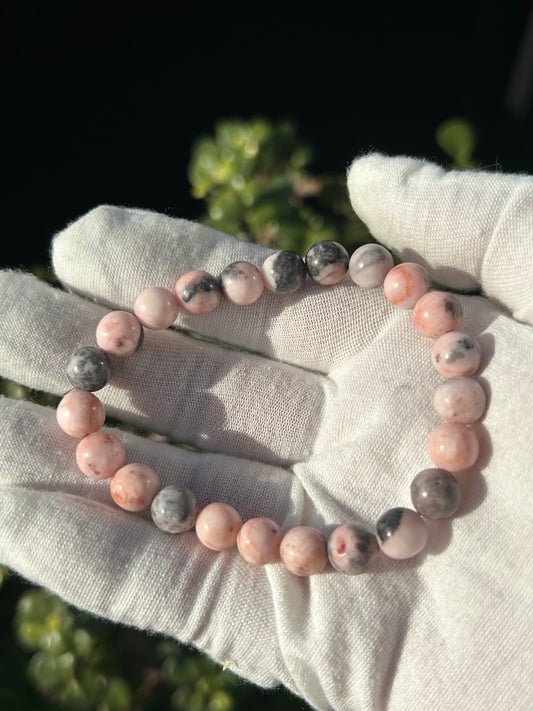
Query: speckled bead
[[351, 548], [218, 526], [456, 353], [283, 272], [259, 540], [402, 533], [405, 284], [453, 446], [100, 455], [134, 486], [303, 551], [198, 292], [242, 283], [89, 368], [435, 493], [327, 262], [436, 313], [80, 413], [174, 509], [460, 399], [156, 308], [119, 333], [369, 265]]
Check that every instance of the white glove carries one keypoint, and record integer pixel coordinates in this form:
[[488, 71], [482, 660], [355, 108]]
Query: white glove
[[320, 416]]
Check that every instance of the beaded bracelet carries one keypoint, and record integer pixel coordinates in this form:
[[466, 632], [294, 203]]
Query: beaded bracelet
[[401, 532]]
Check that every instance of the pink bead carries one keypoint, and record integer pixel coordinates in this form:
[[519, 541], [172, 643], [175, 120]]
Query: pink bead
[[436, 313], [79, 413], [218, 526], [259, 540], [351, 548], [100, 455], [453, 447], [455, 353], [242, 283], [303, 550], [369, 265], [405, 284], [402, 533], [134, 487], [156, 308], [119, 333], [460, 400], [198, 292]]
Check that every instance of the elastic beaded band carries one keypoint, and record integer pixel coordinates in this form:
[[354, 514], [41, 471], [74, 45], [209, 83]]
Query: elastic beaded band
[[401, 532]]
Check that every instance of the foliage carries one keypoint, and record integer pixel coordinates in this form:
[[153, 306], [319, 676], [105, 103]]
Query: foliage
[[256, 181], [457, 137], [76, 662]]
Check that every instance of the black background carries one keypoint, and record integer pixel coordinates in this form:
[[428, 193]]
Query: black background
[[102, 103]]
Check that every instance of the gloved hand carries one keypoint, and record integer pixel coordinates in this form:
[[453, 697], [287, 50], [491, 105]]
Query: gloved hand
[[319, 414]]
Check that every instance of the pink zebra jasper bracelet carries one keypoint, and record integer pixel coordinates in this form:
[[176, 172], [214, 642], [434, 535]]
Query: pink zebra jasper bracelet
[[401, 532]]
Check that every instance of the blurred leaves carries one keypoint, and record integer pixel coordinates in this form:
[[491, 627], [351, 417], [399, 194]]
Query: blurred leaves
[[76, 662], [457, 137], [255, 179], [3, 575]]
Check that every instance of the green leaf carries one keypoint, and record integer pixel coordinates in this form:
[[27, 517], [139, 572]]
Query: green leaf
[[458, 138]]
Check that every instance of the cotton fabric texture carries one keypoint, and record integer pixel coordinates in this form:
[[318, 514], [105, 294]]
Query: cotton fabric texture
[[317, 414]]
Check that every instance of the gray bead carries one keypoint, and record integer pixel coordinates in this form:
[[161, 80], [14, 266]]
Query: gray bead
[[174, 509], [327, 262], [288, 272], [89, 368], [435, 493]]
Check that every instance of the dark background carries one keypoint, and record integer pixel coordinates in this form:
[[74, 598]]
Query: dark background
[[102, 103]]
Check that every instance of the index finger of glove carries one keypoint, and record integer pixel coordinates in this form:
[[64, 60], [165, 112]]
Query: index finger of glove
[[112, 254]]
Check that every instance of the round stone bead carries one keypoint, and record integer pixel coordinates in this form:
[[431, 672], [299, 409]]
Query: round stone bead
[[134, 486], [351, 548], [436, 313], [283, 272], [453, 447], [405, 284], [119, 333], [460, 399], [259, 540], [156, 308], [174, 509], [198, 292], [327, 262], [89, 368], [402, 533], [80, 413], [455, 353], [303, 551], [218, 526], [369, 265], [242, 283], [435, 493], [100, 455]]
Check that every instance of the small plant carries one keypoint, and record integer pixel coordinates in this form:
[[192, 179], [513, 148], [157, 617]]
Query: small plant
[[457, 137], [255, 179]]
